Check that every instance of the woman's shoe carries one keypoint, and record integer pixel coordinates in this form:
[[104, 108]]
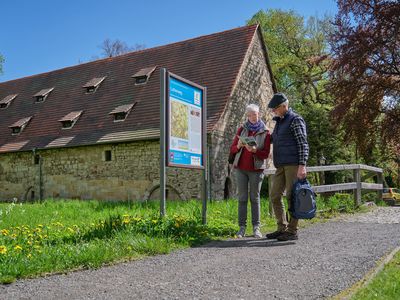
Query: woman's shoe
[[242, 232], [257, 232]]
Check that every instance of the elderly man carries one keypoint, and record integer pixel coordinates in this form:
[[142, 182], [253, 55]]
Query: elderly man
[[290, 154]]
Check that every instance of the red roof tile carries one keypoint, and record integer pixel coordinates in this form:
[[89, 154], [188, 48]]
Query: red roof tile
[[213, 61]]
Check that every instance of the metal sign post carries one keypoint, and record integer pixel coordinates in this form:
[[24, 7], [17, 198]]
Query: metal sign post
[[163, 79]]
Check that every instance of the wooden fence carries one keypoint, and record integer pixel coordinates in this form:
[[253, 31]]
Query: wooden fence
[[356, 185]]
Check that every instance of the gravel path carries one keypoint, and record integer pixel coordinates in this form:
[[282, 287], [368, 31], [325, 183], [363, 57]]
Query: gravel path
[[328, 258]]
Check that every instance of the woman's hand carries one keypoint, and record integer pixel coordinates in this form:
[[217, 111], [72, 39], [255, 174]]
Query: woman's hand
[[251, 149], [239, 144]]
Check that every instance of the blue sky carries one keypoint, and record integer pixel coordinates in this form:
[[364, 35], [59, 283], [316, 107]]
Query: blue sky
[[42, 35]]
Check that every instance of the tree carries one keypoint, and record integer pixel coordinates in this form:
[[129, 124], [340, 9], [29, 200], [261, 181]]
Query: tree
[[114, 48], [299, 56], [365, 72], [298, 53]]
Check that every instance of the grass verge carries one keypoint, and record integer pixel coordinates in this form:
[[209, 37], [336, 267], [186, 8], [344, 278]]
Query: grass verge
[[60, 235]]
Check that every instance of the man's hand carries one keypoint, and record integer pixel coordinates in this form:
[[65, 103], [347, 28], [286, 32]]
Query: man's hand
[[301, 172]]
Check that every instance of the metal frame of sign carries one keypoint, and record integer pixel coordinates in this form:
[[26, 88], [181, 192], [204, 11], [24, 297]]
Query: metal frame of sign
[[165, 77], [189, 155]]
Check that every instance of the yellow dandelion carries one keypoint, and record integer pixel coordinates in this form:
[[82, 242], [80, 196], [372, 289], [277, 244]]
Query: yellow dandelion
[[13, 236], [5, 232], [3, 250], [29, 255], [17, 248]]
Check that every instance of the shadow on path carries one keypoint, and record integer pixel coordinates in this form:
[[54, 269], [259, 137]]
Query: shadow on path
[[246, 242]]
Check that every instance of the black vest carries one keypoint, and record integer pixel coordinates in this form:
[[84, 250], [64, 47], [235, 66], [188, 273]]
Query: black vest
[[285, 148]]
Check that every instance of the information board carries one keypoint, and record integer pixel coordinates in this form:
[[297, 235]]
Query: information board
[[185, 103]]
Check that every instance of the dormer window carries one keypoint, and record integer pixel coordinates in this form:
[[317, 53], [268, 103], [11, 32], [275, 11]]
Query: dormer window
[[42, 95], [92, 85], [121, 112], [69, 120], [18, 126], [7, 100], [143, 75]]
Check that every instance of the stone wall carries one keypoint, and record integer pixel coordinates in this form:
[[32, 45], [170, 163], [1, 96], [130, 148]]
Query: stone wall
[[83, 173], [253, 86]]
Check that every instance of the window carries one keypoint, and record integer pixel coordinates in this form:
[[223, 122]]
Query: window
[[121, 112], [18, 126], [16, 130], [92, 85], [143, 75], [7, 100], [69, 120], [107, 155], [42, 95]]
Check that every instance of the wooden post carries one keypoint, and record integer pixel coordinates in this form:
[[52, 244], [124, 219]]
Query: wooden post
[[380, 181], [357, 191]]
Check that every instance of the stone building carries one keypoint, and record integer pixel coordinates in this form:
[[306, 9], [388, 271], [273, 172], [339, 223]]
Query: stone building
[[91, 131]]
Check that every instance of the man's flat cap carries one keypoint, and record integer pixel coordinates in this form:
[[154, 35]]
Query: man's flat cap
[[276, 100]]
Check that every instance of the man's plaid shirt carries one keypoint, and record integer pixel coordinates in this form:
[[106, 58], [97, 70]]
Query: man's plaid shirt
[[298, 127]]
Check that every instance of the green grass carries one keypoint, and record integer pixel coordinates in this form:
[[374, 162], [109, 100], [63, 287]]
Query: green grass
[[385, 285], [61, 235]]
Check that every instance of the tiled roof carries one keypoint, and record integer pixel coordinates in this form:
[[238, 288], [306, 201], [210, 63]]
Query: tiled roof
[[43, 92], [71, 116], [144, 72], [122, 108], [213, 61], [8, 99], [94, 82], [20, 122]]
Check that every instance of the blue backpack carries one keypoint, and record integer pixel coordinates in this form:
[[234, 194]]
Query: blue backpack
[[303, 204]]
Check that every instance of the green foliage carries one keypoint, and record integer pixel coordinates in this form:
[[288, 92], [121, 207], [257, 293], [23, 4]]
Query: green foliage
[[335, 204]]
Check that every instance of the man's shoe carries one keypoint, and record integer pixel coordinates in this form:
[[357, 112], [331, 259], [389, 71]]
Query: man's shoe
[[288, 236], [257, 232], [274, 234], [242, 232]]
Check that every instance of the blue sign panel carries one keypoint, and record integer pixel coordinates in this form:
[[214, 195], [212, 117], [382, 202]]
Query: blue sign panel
[[185, 107]]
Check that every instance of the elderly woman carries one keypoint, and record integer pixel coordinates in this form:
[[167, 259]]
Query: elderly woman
[[250, 161]]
